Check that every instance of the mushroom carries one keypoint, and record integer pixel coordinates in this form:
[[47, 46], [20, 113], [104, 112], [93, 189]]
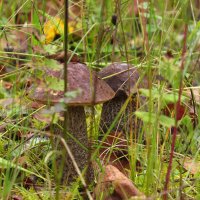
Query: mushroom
[[79, 77], [122, 78]]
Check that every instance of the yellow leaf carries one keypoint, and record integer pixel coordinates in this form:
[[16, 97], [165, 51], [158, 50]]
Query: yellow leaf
[[55, 27]]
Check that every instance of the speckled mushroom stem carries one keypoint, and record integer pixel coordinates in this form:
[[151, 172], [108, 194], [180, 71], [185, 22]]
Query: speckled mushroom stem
[[111, 109], [78, 145]]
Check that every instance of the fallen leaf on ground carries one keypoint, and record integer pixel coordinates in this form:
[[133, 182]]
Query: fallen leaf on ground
[[117, 142], [55, 27], [60, 56], [192, 166], [40, 116], [114, 150], [7, 85], [169, 110], [16, 197], [195, 93], [122, 186]]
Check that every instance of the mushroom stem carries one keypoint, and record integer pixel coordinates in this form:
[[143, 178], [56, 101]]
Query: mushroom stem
[[111, 109], [77, 140]]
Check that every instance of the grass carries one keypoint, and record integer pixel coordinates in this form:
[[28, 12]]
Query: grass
[[153, 42]]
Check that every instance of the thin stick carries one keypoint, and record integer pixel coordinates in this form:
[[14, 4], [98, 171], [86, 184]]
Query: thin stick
[[65, 61], [65, 126], [177, 111]]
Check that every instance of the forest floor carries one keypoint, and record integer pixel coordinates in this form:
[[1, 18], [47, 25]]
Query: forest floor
[[157, 159]]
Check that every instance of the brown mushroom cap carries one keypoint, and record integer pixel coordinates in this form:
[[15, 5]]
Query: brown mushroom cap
[[119, 76], [79, 78]]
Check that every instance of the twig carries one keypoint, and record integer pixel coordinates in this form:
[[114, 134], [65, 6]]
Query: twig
[[65, 59], [177, 111]]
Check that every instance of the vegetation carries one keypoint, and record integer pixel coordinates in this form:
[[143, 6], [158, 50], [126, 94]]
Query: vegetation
[[159, 153]]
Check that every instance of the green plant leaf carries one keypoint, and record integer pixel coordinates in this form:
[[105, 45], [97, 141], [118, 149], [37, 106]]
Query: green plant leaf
[[152, 118], [8, 164], [166, 121], [55, 83], [167, 97]]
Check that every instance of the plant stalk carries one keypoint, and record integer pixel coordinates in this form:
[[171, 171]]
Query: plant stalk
[[167, 180], [66, 61]]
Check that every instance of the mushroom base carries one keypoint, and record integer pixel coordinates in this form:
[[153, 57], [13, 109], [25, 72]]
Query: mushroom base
[[76, 138]]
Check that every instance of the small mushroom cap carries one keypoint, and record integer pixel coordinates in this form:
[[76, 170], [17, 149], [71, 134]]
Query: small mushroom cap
[[79, 78], [119, 76]]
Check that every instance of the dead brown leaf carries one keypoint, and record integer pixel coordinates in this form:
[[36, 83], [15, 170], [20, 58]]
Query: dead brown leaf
[[7, 85], [196, 94], [40, 116], [16, 197], [60, 56], [192, 166], [114, 151], [122, 186]]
